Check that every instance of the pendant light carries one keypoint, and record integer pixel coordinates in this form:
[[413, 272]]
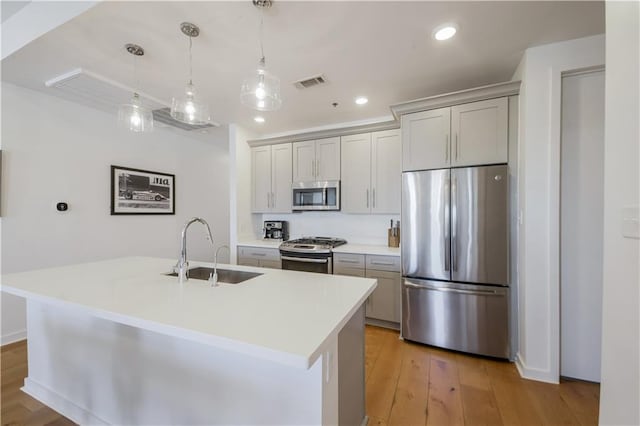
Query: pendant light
[[133, 116], [188, 108], [261, 91]]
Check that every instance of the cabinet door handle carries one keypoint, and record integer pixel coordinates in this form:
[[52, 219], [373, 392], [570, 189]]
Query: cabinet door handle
[[268, 200], [446, 148], [317, 168], [367, 198], [374, 197], [273, 200], [456, 147]]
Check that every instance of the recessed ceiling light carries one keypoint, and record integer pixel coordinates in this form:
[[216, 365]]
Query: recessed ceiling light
[[361, 100], [258, 119], [444, 32]]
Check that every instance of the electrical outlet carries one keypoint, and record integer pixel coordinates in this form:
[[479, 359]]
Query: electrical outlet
[[631, 222]]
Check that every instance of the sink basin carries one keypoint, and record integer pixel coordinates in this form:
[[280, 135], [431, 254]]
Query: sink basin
[[227, 276]]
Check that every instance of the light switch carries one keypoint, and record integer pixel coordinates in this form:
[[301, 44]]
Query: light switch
[[631, 222]]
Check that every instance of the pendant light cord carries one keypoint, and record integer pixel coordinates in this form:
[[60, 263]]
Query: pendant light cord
[[135, 75], [190, 60], [261, 32]]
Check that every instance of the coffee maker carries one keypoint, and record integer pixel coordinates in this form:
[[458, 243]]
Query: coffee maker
[[275, 230]]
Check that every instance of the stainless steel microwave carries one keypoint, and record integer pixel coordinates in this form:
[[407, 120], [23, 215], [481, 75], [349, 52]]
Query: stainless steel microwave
[[316, 195]]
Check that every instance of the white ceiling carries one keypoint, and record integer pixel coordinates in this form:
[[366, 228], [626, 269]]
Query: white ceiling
[[10, 8], [383, 50]]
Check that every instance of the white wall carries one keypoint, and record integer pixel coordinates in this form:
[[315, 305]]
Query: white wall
[[54, 150], [355, 228], [582, 188], [243, 224], [539, 192], [620, 389]]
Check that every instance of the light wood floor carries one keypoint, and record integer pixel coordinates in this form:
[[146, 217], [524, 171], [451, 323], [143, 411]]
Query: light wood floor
[[406, 384]]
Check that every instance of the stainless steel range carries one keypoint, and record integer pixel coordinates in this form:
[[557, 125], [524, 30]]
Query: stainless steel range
[[309, 254]]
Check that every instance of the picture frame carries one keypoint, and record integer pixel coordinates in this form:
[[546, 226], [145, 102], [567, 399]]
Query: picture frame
[[136, 191]]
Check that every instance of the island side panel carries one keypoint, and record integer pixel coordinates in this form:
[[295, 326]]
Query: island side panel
[[351, 404], [93, 370]]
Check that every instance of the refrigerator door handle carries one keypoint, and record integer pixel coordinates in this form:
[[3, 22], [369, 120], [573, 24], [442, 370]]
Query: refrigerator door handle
[[453, 290], [447, 224], [454, 224]]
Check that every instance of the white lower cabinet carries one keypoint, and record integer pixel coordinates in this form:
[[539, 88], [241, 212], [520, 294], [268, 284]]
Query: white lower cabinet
[[384, 303], [259, 257]]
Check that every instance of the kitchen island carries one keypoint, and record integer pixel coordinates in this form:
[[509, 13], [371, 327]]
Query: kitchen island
[[120, 342]]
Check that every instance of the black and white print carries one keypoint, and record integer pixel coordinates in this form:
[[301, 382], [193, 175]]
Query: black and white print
[[135, 191]]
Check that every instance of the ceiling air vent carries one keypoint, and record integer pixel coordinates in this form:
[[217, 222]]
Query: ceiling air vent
[[163, 115], [310, 82], [96, 91]]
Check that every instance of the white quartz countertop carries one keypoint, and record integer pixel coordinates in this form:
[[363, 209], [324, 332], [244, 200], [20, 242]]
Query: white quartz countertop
[[260, 243], [282, 316], [368, 249]]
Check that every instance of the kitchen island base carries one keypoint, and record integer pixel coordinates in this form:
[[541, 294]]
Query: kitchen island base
[[96, 371]]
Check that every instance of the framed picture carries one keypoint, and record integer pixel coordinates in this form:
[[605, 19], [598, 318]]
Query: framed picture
[[136, 191]]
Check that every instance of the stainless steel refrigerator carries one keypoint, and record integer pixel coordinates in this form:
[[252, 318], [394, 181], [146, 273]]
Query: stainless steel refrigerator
[[455, 259]]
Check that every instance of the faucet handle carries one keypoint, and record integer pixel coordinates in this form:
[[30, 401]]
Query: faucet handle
[[213, 279]]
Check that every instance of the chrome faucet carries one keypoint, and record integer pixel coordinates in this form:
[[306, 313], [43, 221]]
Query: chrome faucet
[[213, 278], [183, 265]]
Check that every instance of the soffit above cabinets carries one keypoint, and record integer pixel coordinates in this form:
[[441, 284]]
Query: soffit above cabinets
[[482, 93]]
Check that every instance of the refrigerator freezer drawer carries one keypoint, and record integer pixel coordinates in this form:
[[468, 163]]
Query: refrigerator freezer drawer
[[462, 317]]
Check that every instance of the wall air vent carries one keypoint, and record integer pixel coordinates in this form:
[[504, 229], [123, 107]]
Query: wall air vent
[[96, 91], [310, 82]]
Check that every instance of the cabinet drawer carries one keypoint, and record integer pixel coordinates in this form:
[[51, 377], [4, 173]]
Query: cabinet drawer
[[346, 270], [259, 253], [348, 260], [247, 261], [383, 263], [273, 264]]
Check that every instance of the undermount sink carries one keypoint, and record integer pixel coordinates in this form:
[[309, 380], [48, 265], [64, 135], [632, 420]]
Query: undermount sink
[[227, 276]]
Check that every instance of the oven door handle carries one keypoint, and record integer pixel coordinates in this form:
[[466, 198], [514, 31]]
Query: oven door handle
[[304, 259]]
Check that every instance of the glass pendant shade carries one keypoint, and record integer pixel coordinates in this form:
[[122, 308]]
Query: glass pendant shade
[[188, 109], [261, 91], [134, 117]]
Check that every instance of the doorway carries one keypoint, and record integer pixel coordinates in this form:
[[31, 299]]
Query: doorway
[[581, 224]]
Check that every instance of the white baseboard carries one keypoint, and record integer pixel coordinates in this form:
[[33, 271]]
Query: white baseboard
[[16, 336], [60, 404], [382, 323], [534, 373]]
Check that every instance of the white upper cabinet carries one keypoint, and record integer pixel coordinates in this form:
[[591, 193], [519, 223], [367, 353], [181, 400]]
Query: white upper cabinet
[[371, 172], [463, 135], [479, 132], [426, 140], [328, 159], [386, 171], [356, 173], [271, 179], [261, 179], [281, 178], [317, 160], [304, 161]]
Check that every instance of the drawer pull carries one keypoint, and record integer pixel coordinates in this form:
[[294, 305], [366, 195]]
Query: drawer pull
[[373, 262], [348, 261], [259, 254]]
